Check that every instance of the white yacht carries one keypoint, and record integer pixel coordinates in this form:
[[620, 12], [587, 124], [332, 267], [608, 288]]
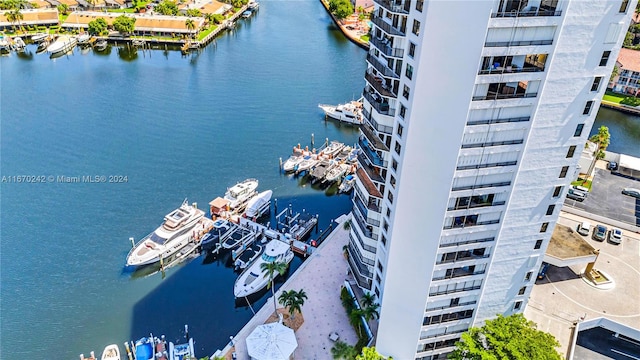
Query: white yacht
[[347, 184], [62, 44], [253, 279], [307, 163], [241, 192], [184, 351], [259, 205], [336, 172], [39, 37], [350, 112], [332, 149], [111, 352], [294, 160], [176, 232]]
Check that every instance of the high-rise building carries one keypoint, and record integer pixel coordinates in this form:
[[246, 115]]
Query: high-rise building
[[476, 115]]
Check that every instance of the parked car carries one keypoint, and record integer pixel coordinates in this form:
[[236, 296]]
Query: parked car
[[631, 192], [600, 233], [579, 188], [612, 165], [543, 270], [584, 228], [576, 195], [615, 236]]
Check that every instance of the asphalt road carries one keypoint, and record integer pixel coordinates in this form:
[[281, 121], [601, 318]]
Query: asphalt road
[[606, 199], [599, 343]]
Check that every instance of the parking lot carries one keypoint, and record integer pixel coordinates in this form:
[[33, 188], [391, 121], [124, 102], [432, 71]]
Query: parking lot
[[606, 199]]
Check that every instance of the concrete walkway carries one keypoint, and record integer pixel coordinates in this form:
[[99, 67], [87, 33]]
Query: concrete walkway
[[321, 277]]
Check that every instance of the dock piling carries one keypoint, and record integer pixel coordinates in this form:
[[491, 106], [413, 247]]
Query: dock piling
[[133, 243], [281, 163], [312, 140]]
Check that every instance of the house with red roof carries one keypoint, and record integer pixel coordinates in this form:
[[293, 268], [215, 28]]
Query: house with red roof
[[628, 79]]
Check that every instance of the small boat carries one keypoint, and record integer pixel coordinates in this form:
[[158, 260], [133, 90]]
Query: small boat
[[144, 349], [39, 37], [253, 279], [231, 25], [62, 45], [248, 256], [347, 184], [138, 43], [101, 45], [332, 149], [111, 352], [239, 237], [161, 349], [83, 39], [295, 159], [350, 112], [253, 5], [240, 193], [353, 155], [321, 169], [222, 229], [336, 173], [307, 163], [5, 46], [246, 14], [19, 44], [258, 205], [184, 351], [42, 46], [176, 232]]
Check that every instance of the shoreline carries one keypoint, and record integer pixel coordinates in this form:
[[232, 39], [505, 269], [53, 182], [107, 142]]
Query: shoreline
[[356, 40], [622, 108]]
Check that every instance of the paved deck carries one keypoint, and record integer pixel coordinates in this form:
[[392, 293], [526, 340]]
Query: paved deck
[[321, 276]]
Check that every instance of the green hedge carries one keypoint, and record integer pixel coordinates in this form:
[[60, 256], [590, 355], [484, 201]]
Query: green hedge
[[348, 303]]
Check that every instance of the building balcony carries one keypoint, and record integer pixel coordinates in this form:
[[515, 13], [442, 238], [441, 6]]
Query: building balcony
[[364, 210], [491, 143], [499, 96], [472, 205], [373, 139], [498, 121], [388, 28], [512, 69], [435, 292], [364, 270], [374, 124], [483, 166], [518, 43], [450, 306], [481, 186], [396, 6], [379, 103], [370, 154], [380, 85], [369, 170], [382, 68], [466, 242], [365, 247], [456, 273], [368, 184], [461, 225], [364, 227], [468, 257], [533, 11]]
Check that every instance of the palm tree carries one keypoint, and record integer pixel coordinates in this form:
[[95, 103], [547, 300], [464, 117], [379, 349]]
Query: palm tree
[[370, 312], [367, 299], [271, 268], [14, 16], [293, 300], [190, 24], [354, 319], [342, 350], [210, 17]]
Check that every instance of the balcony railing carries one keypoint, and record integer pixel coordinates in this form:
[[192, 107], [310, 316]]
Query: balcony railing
[[386, 27], [511, 69], [364, 210], [492, 143], [445, 332], [472, 206], [397, 6], [465, 258], [451, 291], [380, 128], [482, 166], [382, 68], [481, 186], [373, 139], [363, 227], [371, 155], [518, 43], [497, 96], [356, 269], [465, 242], [369, 170], [379, 85], [527, 13], [450, 306], [463, 225], [381, 107], [364, 246], [498, 121], [458, 273], [360, 262]]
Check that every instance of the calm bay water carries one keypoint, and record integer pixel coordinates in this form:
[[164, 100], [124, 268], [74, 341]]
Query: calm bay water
[[177, 127], [623, 128]]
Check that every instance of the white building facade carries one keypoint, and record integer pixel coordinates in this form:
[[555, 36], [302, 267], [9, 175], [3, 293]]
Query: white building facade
[[476, 116]]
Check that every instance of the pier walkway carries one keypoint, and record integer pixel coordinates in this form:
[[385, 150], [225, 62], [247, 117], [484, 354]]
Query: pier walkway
[[321, 277]]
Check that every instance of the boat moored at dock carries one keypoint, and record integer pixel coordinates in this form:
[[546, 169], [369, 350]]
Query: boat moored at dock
[[347, 184], [222, 229], [350, 112], [62, 45], [253, 279], [111, 352], [240, 193], [259, 205], [39, 37], [185, 351]]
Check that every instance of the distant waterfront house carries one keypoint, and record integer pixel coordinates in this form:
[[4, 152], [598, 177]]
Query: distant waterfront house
[[31, 17], [206, 6], [41, 4], [72, 4], [628, 79], [146, 25]]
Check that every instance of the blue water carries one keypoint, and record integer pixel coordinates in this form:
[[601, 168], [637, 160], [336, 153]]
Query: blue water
[[624, 130], [177, 127]]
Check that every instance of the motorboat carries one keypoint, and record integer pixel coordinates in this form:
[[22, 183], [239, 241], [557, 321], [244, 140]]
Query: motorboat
[[101, 45], [144, 349], [239, 237], [332, 149], [253, 5], [177, 230], [248, 256], [347, 184], [83, 39], [307, 163], [296, 158], [336, 172], [246, 14], [62, 44], [5, 46], [39, 37], [184, 351], [321, 169], [111, 352], [18, 44], [253, 279], [42, 46], [350, 112], [258, 205], [344, 154], [353, 155], [241, 192], [222, 229]]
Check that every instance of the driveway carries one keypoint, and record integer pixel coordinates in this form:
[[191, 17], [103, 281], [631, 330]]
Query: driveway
[[606, 199]]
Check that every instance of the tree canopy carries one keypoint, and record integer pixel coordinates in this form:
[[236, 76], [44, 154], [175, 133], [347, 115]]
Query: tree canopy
[[97, 26], [124, 24], [370, 353], [167, 7], [512, 337], [341, 8], [602, 138]]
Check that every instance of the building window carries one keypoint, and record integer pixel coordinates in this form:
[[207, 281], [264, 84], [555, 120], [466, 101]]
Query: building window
[[388, 212], [399, 130], [522, 290], [403, 111], [572, 150], [557, 191], [405, 92], [390, 197], [563, 172], [412, 49], [543, 228], [385, 224], [517, 305], [528, 276], [596, 83], [624, 6], [416, 27], [392, 181], [578, 131], [605, 58], [587, 108], [377, 291], [398, 148], [409, 71], [419, 5], [384, 240], [380, 267], [394, 165], [550, 209], [378, 280]]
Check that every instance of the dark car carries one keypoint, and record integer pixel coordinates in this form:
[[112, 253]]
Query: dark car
[[600, 233], [612, 165], [543, 270], [631, 192]]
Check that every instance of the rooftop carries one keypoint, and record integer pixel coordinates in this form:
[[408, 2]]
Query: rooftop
[[566, 243], [630, 59]]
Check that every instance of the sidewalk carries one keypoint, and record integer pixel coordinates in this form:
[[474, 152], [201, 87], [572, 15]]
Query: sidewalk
[[321, 277]]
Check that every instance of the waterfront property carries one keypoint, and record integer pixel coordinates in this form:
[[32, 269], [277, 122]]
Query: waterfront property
[[31, 17], [628, 79]]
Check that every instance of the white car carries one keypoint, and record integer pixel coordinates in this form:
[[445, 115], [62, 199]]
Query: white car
[[576, 195], [584, 228], [615, 236]]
